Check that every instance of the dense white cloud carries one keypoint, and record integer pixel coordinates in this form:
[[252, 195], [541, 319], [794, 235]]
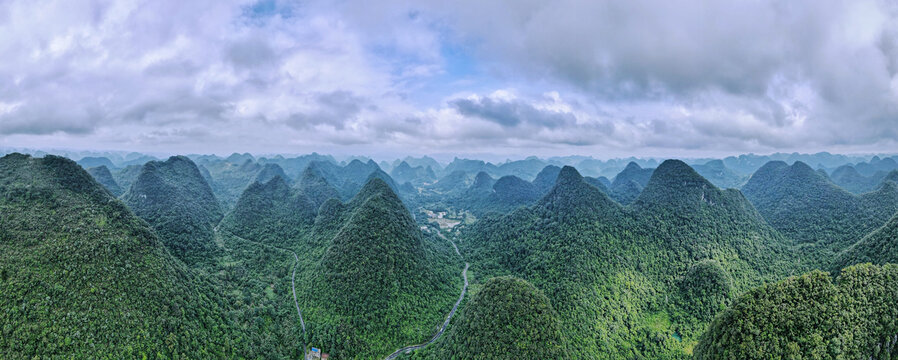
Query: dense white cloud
[[512, 76]]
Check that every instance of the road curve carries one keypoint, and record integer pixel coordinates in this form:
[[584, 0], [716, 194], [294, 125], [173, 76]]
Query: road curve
[[464, 289], [292, 278]]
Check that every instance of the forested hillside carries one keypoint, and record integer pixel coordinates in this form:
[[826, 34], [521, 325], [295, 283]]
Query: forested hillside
[[879, 247], [82, 277], [177, 202], [809, 209], [104, 177], [507, 319], [617, 276], [811, 317], [659, 264], [378, 283]]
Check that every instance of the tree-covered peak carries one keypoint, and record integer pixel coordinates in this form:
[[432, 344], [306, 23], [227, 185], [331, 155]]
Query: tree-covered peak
[[49, 171], [676, 184], [380, 174], [632, 166], [375, 186], [96, 281], [270, 171], [546, 178], [104, 177], [177, 201], [572, 196], [891, 176], [316, 186], [810, 317], [568, 176], [508, 318], [483, 181]]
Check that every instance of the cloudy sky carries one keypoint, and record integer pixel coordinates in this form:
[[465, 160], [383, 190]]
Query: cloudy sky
[[516, 77]]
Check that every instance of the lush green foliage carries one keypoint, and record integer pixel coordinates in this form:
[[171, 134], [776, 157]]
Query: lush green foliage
[[378, 283], [629, 183], [508, 318], [616, 274], [271, 213], [720, 175], [811, 210], [231, 177], [879, 247], [178, 203], [82, 277], [126, 176], [104, 177], [811, 317]]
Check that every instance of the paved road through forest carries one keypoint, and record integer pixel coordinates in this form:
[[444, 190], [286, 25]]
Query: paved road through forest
[[464, 289]]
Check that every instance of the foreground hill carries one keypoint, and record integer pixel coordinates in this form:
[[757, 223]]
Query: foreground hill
[[378, 283], [177, 202], [508, 318], [810, 209], [619, 277], [82, 277], [811, 317]]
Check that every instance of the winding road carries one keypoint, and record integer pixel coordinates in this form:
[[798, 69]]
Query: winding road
[[292, 279], [464, 289]]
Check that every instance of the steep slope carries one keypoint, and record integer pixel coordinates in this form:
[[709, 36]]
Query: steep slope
[[177, 202], [622, 278], [545, 180], [513, 190], [508, 318], [808, 208], [457, 180], [379, 284], [316, 187], [416, 175], [847, 177], [599, 183], [633, 172], [271, 171], [720, 175], [89, 162], [811, 317], [629, 183], [879, 247], [271, 213], [126, 176], [230, 178], [82, 277], [483, 184], [103, 176]]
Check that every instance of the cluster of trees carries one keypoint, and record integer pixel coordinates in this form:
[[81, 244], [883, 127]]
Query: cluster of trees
[[811, 317], [808, 208], [563, 270], [624, 280], [508, 318], [175, 199], [82, 277], [380, 284]]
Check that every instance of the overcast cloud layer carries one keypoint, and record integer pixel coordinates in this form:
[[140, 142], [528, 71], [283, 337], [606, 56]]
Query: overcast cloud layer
[[514, 77]]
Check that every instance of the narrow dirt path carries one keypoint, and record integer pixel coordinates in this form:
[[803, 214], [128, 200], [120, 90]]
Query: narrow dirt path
[[464, 290]]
